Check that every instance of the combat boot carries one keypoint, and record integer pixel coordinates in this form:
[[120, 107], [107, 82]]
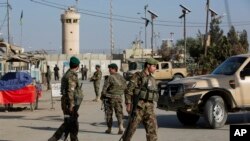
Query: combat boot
[[108, 131], [121, 128], [52, 139], [95, 100], [98, 99]]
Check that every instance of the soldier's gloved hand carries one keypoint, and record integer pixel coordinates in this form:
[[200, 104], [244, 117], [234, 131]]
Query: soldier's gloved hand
[[128, 108]]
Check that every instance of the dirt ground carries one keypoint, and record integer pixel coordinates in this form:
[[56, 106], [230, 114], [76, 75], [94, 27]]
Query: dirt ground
[[22, 124]]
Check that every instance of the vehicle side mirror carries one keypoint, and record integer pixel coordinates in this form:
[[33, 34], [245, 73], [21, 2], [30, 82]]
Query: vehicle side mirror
[[244, 73]]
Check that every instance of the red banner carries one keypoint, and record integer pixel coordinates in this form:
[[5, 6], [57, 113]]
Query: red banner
[[26, 94]]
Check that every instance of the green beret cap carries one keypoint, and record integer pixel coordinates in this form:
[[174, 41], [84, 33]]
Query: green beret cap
[[74, 60], [113, 66], [151, 61], [98, 66]]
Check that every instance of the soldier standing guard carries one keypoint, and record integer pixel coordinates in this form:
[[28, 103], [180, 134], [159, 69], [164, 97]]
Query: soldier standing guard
[[112, 92], [96, 78], [141, 94], [48, 77], [56, 72], [71, 99]]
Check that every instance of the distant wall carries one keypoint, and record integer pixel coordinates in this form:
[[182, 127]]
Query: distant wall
[[90, 60]]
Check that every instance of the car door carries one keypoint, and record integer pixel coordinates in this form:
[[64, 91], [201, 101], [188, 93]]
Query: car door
[[243, 97], [163, 71]]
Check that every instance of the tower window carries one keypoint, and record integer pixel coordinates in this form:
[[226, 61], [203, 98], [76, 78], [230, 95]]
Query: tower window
[[68, 20], [75, 21]]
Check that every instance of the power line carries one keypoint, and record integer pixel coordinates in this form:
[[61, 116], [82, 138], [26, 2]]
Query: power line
[[132, 19]]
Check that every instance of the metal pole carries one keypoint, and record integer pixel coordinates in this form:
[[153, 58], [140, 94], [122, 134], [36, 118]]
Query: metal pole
[[8, 13], [185, 41], [145, 12], [206, 32], [152, 37], [111, 33]]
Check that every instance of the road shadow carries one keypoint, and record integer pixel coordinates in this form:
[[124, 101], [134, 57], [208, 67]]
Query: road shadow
[[54, 129], [171, 121], [13, 109], [11, 117]]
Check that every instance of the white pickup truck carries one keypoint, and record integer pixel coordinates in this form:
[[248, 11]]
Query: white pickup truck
[[164, 71]]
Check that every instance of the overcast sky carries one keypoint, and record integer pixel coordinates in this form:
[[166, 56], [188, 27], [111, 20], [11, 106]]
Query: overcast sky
[[41, 28]]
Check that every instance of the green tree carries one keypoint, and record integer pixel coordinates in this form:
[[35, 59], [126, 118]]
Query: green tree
[[244, 41], [235, 43]]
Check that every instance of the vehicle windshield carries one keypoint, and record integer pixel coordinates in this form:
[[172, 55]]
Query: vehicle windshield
[[230, 66], [136, 66]]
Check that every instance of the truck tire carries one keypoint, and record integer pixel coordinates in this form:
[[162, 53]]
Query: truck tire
[[177, 77], [187, 118], [215, 112]]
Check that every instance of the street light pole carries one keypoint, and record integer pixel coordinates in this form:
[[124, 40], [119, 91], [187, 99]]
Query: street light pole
[[184, 12], [153, 16]]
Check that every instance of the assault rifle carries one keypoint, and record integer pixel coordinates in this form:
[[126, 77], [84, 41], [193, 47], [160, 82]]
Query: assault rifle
[[72, 119], [105, 106], [132, 116], [133, 112]]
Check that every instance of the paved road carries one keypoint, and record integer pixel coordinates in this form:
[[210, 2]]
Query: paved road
[[39, 125]]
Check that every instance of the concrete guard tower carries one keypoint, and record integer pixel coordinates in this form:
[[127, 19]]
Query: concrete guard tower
[[70, 31]]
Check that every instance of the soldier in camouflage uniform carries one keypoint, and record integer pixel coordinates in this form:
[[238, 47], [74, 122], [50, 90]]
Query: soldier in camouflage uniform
[[70, 101], [142, 88], [96, 78], [112, 92]]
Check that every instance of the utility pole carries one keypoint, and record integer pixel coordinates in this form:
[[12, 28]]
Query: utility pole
[[153, 16], [145, 12], [8, 14], [111, 32], [184, 12], [206, 32]]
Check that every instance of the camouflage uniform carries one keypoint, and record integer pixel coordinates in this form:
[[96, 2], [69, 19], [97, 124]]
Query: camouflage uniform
[[144, 86], [71, 97], [112, 92], [96, 78]]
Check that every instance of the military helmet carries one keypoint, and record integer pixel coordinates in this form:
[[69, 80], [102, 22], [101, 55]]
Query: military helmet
[[97, 66], [113, 66], [151, 61]]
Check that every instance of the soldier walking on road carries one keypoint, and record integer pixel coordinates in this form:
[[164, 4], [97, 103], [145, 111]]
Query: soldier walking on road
[[71, 99], [48, 77], [141, 94], [112, 93], [96, 78]]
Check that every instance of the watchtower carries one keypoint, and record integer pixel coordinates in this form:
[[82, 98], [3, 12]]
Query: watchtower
[[70, 31]]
